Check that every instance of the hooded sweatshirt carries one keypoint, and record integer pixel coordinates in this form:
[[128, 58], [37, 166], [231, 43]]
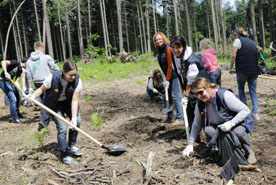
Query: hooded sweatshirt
[[210, 60], [39, 66]]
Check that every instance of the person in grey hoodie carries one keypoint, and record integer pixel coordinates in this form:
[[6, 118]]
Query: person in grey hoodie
[[39, 66]]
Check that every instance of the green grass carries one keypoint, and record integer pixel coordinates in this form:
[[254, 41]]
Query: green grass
[[97, 121], [88, 98], [139, 81]]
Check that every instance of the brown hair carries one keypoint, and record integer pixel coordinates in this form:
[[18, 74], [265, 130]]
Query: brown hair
[[69, 66], [200, 83], [241, 32], [163, 36], [38, 45], [157, 80]]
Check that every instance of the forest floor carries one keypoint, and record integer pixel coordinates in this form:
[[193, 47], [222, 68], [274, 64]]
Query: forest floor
[[131, 120]]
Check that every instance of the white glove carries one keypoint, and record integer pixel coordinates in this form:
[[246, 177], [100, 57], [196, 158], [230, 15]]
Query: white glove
[[184, 101], [166, 84], [31, 90], [74, 121], [29, 98], [225, 127], [7, 76], [186, 152], [155, 90], [24, 89]]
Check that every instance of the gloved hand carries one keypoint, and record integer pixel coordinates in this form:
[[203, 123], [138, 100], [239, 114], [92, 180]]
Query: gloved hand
[[74, 121], [184, 101], [166, 84], [31, 90], [24, 89], [29, 98], [7, 76], [225, 127], [232, 71], [155, 90], [187, 151]]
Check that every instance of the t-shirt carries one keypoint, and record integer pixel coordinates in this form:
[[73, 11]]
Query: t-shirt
[[48, 82], [14, 69], [237, 43]]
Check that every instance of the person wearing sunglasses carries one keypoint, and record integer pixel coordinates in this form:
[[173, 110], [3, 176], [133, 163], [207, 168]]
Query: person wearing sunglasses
[[219, 107]]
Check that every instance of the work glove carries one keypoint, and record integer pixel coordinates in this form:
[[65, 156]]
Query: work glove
[[166, 84], [155, 90], [187, 151], [29, 98], [225, 127], [74, 121], [31, 90], [184, 101], [232, 71], [7, 76]]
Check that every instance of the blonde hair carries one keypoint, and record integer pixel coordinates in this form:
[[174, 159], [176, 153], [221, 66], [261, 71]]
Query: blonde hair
[[200, 83], [157, 80], [163, 36], [205, 44], [38, 45], [241, 32]]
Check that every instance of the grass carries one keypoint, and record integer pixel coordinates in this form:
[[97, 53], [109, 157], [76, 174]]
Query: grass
[[88, 98], [97, 121]]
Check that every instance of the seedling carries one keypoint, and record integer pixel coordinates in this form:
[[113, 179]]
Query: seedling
[[97, 121], [40, 136]]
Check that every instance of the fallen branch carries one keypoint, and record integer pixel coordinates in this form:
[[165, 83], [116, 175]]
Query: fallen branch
[[148, 169], [254, 168], [51, 182]]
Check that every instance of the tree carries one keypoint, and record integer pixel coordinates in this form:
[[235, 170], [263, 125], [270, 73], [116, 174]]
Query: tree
[[261, 24], [214, 24], [253, 21], [175, 17], [153, 13], [37, 21], [148, 27], [80, 30], [271, 21], [223, 28], [188, 23], [118, 3]]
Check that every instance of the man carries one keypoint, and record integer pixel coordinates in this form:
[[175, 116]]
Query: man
[[12, 69], [273, 48], [38, 67]]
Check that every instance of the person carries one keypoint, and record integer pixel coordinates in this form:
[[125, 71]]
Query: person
[[62, 91], [162, 44], [12, 69], [210, 113], [245, 57], [155, 86], [188, 67], [273, 48], [38, 67], [210, 61]]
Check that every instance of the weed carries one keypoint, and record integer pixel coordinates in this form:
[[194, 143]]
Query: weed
[[267, 105], [139, 81], [272, 113], [40, 136], [97, 121], [88, 98]]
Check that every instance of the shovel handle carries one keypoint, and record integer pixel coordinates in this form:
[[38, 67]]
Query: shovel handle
[[166, 94], [58, 116]]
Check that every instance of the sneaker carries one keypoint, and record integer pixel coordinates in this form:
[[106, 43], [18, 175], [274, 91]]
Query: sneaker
[[256, 116], [20, 115], [42, 125], [69, 160], [177, 122], [251, 158], [74, 151], [17, 121]]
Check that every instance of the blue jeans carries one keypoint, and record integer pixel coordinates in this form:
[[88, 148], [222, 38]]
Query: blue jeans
[[13, 96], [174, 97], [61, 109], [252, 85], [215, 77]]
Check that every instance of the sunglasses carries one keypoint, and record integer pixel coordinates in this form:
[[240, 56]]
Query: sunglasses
[[200, 92]]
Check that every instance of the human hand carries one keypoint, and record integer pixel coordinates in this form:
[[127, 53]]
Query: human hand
[[155, 90], [7, 76], [166, 84], [184, 101], [29, 98], [31, 90], [225, 127], [74, 121], [187, 151], [232, 71], [24, 89]]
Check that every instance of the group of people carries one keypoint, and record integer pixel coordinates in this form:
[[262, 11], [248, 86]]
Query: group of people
[[58, 90], [195, 82]]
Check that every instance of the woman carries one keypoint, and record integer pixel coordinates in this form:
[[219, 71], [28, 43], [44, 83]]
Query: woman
[[155, 85], [222, 109], [188, 67], [245, 56], [162, 44], [62, 91], [210, 61]]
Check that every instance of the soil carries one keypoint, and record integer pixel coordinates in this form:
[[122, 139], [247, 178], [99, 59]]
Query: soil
[[130, 120]]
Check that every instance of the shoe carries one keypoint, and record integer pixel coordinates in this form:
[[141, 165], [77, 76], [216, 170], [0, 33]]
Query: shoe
[[69, 160], [20, 115], [42, 125], [17, 121], [168, 120], [251, 158], [256, 116], [74, 151], [178, 122]]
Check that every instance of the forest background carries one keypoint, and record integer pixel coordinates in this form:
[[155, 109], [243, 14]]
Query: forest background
[[91, 29]]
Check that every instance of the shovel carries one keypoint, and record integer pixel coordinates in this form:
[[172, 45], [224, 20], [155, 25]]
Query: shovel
[[112, 150], [167, 108]]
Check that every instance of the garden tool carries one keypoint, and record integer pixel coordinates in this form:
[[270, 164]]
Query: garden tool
[[167, 108], [112, 150]]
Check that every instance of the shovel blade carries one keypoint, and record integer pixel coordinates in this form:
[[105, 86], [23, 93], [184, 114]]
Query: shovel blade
[[167, 108], [115, 150]]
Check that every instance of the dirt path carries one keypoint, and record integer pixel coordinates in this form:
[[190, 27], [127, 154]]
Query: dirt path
[[129, 120]]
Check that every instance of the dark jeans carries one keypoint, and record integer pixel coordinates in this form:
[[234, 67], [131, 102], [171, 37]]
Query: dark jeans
[[63, 108], [215, 77], [13, 96]]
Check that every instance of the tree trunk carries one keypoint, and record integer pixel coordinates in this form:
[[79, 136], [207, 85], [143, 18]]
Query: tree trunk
[[217, 21], [103, 24], [194, 22], [153, 13], [261, 23], [18, 56], [2, 43], [167, 19], [24, 35], [125, 17], [188, 23], [214, 24], [61, 35], [106, 30], [140, 30], [148, 27], [89, 18], [44, 23], [208, 19], [18, 31], [80, 30], [223, 29], [49, 37], [175, 17], [253, 21], [37, 21], [271, 21], [143, 26], [118, 3], [68, 32]]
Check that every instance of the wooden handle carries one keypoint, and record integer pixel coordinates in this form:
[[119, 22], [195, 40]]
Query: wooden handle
[[58, 116]]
